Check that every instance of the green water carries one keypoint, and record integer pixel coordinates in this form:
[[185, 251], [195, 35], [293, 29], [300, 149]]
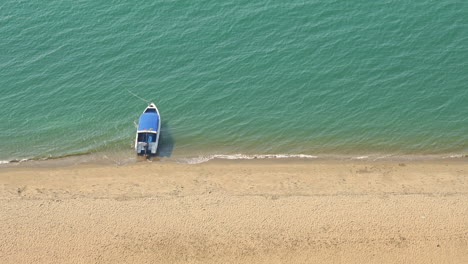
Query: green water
[[235, 77]]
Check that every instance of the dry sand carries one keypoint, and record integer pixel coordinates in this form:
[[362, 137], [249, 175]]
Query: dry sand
[[261, 211]]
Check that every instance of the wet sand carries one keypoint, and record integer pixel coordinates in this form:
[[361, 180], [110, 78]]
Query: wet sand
[[256, 211]]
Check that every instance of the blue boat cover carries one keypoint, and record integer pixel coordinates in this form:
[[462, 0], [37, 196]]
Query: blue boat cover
[[148, 121]]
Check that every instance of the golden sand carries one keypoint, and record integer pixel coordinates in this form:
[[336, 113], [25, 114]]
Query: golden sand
[[259, 211]]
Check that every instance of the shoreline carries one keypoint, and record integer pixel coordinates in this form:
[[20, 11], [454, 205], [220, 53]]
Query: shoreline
[[128, 158], [237, 211]]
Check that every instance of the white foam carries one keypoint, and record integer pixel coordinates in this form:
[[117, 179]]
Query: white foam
[[361, 157], [383, 157], [202, 159], [197, 160], [457, 156], [13, 161]]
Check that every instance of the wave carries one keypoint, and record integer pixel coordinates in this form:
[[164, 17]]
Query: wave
[[455, 156], [206, 158], [202, 159], [44, 158], [128, 158]]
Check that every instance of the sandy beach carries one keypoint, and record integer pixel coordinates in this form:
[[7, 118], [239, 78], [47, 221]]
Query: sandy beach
[[241, 211]]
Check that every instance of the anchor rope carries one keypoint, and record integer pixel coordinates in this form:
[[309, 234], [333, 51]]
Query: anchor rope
[[147, 101]]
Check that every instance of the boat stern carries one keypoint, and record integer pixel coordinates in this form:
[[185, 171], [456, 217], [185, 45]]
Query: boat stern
[[145, 148], [147, 142]]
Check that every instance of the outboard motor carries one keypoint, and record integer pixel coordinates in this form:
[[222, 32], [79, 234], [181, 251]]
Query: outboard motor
[[142, 148]]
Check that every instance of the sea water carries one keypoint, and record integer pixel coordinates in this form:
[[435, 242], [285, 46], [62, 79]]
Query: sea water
[[235, 78]]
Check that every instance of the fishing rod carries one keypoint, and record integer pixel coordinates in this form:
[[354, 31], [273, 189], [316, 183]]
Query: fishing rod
[[147, 101]]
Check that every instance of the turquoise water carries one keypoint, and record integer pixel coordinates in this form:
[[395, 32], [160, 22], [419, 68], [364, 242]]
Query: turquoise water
[[235, 77]]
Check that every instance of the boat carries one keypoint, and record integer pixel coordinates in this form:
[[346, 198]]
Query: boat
[[149, 126]]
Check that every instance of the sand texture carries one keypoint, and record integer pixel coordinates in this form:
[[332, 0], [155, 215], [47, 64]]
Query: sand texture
[[259, 211]]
